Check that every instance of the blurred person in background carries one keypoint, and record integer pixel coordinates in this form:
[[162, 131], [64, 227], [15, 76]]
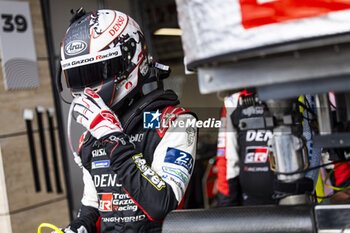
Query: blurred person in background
[[244, 173], [244, 176]]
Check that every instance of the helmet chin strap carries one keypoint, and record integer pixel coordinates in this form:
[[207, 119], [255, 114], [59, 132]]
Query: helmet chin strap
[[77, 159], [59, 83]]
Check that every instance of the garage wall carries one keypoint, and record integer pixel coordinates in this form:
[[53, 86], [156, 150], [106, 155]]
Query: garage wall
[[22, 208]]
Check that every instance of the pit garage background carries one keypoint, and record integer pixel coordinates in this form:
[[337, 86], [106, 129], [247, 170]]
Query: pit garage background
[[39, 180]]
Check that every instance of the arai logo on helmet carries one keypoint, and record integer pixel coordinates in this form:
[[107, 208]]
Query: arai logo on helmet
[[75, 47]]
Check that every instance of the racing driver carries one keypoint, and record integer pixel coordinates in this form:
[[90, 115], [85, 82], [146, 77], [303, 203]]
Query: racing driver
[[136, 164]]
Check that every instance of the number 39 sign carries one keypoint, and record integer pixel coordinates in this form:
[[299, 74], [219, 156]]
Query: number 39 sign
[[14, 22], [18, 57]]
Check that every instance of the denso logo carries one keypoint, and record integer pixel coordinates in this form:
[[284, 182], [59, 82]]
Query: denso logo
[[258, 135], [75, 47]]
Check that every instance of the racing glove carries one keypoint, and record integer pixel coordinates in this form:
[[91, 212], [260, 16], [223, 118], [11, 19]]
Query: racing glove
[[94, 114]]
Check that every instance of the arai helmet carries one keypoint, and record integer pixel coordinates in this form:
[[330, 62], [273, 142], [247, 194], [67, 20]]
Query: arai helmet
[[106, 51]]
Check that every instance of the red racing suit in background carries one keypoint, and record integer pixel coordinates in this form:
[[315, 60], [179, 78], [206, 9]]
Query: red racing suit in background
[[132, 180], [342, 174], [244, 175]]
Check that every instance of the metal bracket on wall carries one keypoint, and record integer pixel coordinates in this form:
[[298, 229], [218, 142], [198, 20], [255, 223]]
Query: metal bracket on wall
[[334, 140], [28, 117], [50, 118], [332, 218], [281, 75], [39, 112]]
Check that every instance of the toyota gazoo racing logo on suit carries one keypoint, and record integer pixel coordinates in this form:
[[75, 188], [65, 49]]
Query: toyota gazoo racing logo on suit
[[116, 202], [105, 201], [256, 154], [75, 47]]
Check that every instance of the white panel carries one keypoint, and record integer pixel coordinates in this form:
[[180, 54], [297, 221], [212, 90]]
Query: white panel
[[217, 27], [17, 46], [5, 222]]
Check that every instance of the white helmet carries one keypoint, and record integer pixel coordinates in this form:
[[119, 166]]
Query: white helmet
[[106, 51]]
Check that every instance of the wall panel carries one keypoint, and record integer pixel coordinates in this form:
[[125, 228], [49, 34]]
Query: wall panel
[[22, 209]]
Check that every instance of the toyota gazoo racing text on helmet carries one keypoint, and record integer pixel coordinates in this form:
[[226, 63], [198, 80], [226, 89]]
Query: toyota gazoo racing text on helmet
[[106, 51]]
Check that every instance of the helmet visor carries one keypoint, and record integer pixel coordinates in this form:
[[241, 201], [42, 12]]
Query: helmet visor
[[88, 70]]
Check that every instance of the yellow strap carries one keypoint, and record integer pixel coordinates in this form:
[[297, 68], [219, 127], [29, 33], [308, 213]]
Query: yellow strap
[[319, 188], [49, 225], [301, 109]]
